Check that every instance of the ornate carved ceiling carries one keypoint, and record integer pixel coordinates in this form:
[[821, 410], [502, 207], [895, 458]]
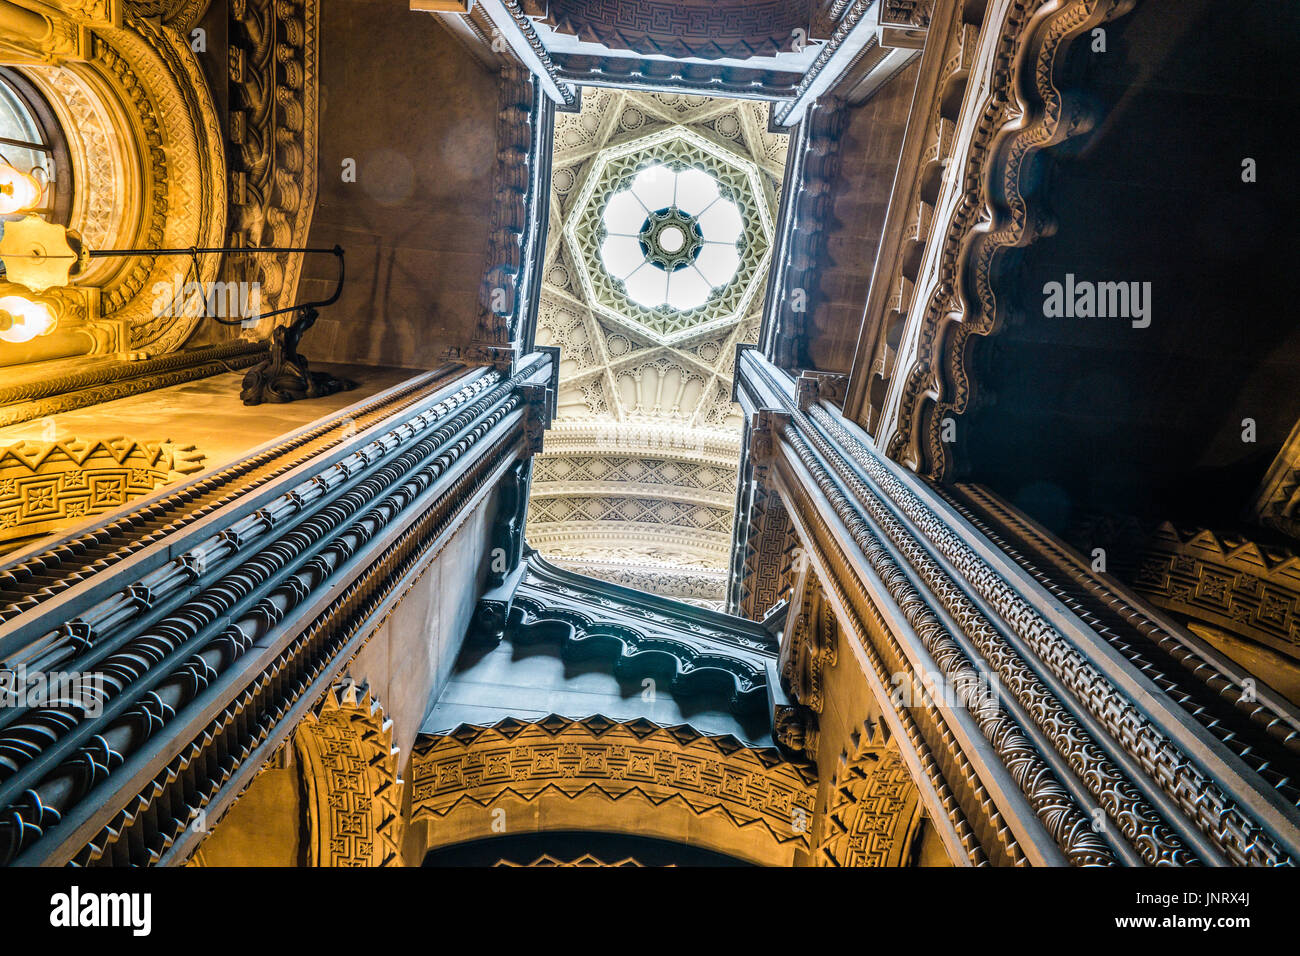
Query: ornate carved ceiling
[[637, 482]]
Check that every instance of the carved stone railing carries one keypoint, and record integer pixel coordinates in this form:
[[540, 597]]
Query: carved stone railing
[[204, 641], [1036, 735]]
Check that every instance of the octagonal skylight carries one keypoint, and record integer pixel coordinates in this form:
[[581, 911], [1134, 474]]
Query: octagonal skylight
[[671, 237]]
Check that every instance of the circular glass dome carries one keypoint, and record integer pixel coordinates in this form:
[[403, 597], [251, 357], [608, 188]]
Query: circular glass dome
[[670, 238]]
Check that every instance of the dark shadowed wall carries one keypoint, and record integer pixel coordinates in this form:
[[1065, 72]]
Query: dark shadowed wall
[[417, 113]]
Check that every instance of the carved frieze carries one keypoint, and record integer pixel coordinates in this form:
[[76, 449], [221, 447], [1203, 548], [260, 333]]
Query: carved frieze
[[599, 774], [45, 485]]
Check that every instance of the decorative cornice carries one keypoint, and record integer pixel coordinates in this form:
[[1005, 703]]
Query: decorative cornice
[[1192, 800], [47, 485], [331, 547], [109, 380]]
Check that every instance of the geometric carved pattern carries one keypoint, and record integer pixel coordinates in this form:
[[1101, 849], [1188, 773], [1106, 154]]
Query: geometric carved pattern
[[353, 802], [708, 29], [642, 510], [46, 484], [546, 860], [597, 774], [872, 810], [768, 550], [1230, 582], [642, 470]]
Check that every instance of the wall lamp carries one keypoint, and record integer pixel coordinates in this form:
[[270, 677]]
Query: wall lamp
[[42, 255]]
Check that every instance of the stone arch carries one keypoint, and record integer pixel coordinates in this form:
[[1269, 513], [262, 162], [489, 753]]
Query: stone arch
[[873, 813], [352, 795], [149, 171], [600, 776]]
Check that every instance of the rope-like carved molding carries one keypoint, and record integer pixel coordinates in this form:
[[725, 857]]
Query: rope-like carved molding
[[1023, 113], [620, 777], [159, 815], [872, 812], [846, 24], [1123, 802], [19, 590], [1051, 802], [313, 659], [534, 41], [251, 577], [1231, 827], [926, 731], [633, 653], [46, 485], [352, 792]]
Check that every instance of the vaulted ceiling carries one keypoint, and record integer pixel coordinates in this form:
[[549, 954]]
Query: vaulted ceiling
[[637, 481]]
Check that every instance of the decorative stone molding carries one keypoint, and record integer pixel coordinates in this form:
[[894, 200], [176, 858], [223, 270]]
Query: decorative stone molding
[[906, 590], [704, 29], [872, 814], [672, 76], [47, 485], [602, 775], [794, 289], [1277, 503], [1215, 693], [352, 794], [517, 236], [1230, 582], [810, 643], [301, 570], [811, 387], [1013, 62], [581, 617]]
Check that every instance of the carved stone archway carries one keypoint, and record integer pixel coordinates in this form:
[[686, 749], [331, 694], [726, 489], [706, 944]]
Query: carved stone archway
[[352, 804], [597, 775]]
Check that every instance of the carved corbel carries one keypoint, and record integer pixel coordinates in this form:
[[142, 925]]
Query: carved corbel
[[813, 387], [540, 399]]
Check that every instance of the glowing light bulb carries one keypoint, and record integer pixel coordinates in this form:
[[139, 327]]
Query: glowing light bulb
[[18, 190], [21, 319]]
